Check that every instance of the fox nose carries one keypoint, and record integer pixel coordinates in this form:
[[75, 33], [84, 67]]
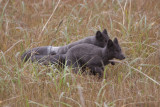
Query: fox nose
[[124, 57]]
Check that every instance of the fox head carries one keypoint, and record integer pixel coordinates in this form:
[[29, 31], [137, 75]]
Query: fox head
[[101, 38], [114, 50]]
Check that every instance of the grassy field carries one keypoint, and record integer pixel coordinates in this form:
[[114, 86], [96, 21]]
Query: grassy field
[[134, 82]]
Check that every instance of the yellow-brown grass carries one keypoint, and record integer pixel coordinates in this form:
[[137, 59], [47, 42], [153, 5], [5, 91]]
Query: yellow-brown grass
[[135, 82]]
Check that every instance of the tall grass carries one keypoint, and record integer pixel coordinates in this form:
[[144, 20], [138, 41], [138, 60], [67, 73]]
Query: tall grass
[[30, 23]]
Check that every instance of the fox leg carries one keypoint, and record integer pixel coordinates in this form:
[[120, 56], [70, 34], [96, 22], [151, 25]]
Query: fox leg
[[95, 70]]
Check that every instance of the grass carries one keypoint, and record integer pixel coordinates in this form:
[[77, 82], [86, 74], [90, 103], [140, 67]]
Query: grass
[[27, 24]]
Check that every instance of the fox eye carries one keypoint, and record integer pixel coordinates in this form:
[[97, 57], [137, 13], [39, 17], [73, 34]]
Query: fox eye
[[117, 50]]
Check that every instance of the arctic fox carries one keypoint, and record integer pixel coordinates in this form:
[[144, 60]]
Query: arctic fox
[[87, 55], [100, 40]]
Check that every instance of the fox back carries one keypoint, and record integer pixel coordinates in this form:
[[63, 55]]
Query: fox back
[[100, 40]]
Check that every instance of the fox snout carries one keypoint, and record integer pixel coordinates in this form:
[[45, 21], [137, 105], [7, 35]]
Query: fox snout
[[122, 57]]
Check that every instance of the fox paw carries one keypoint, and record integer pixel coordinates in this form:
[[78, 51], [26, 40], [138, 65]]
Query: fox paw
[[113, 63]]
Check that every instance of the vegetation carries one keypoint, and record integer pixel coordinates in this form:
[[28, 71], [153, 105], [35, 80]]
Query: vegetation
[[25, 24]]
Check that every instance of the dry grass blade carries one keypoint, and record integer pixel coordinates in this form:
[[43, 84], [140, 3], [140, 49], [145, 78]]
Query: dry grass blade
[[12, 46], [137, 71], [49, 19], [81, 95]]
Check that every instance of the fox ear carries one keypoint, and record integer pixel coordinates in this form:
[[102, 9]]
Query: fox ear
[[115, 40], [99, 35], [105, 31], [110, 43]]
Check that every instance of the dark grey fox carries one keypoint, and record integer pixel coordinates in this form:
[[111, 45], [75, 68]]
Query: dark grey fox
[[100, 39], [88, 55]]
